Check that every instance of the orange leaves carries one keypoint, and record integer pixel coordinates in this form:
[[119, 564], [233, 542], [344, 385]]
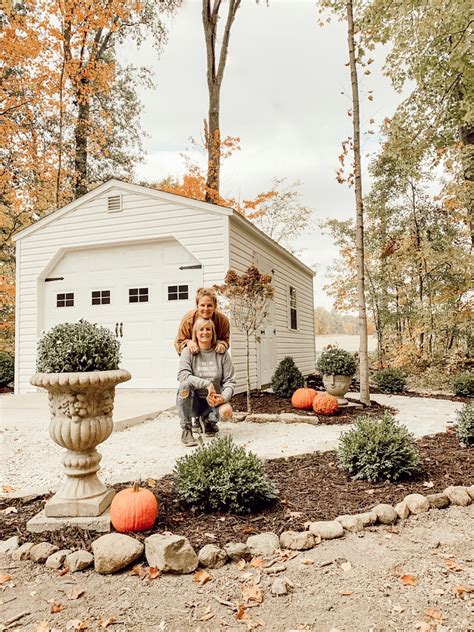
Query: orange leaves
[[5, 578], [452, 566], [202, 577], [408, 580], [460, 590]]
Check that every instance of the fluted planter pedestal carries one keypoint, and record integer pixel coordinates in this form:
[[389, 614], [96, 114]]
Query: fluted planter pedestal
[[81, 406]]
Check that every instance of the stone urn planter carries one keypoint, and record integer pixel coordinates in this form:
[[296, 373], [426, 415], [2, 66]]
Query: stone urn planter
[[337, 367], [81, 407], [337, 385]]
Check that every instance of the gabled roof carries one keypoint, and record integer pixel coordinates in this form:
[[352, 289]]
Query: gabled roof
[[173, 198]]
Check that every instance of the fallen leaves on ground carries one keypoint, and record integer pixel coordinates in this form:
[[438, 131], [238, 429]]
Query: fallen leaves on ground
[[77, 624], [459, 590], [56, 607], [241, 613], [452, 566], [428, 484], [75, 594], [346, 593], [202, 577], [5, 578], [208, 614], [434, 613], [7, 489], [145, 572], [63, 571], [241, 564], [408, 580], [9, 510], [307, 562], [252, 594], [151, 482], [256, 562], [104, 622]]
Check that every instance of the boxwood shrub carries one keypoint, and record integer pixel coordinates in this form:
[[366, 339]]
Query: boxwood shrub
[[78, 347], [465, 425], [378, 449], [390, 380], [287, 378], [7, 368], [463, 384]]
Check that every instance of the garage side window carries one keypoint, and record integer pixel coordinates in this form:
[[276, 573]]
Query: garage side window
[[101, 297], [65, 300], [138, 295], [178, 292], [293, 308]]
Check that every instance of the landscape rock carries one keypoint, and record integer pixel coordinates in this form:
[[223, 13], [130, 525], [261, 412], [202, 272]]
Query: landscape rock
[[279, 586], [297, 540], [350, 523], [237, 551], [470, 491], [417, 503], [386, 514], [23, 552], [115, 551], [368, 518], [402, 510], [261, 418], [171, 553], [79, 560], [8, 546], [56, 560], [327, 529], [239, 417], [263, 543], [458, 495], [438, 501], [211, 556], [40, 552]]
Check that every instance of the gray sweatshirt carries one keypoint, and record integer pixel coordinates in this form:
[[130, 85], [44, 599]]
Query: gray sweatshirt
[[207, 366]]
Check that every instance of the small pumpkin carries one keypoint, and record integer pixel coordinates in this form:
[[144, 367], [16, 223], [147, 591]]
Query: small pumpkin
[[325, 404], [133, 509], [303, 398]]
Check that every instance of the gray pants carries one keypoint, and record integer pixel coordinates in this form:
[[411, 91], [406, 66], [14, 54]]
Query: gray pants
[[190, 405]]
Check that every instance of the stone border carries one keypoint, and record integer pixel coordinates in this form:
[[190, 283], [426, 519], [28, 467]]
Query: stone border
[[288, 418], [173, 553]]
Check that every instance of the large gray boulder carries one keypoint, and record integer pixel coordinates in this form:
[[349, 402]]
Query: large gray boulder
[[171, 553], [297, 540], [458, 495], [350, 523], [23, 552], [263, 543], [211, 556], [40, 552], [8, 546], [367, 518], [438, 501], [56, 560], [327, 529], [402, 510], [115, 551], [386, 514], [79, 560], [237, 551], [417, 503]]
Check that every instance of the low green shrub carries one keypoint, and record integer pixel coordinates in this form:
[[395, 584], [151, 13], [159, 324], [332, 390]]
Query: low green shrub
[[378, 450], [390, 380], [335, 361], [287, 378], [463, 384], [7, 368], [465, 425], [223, 477], [78, 347]]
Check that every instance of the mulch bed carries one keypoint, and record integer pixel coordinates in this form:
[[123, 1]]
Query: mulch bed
[[269, 403], [311, 487]]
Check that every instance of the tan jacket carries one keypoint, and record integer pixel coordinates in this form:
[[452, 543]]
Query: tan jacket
[[185, 331]]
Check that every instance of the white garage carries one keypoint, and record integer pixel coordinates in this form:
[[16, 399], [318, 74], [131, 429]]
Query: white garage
[[131, 258]]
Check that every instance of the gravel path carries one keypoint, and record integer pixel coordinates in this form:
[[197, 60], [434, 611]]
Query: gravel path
[[29, 460], [349, 585]]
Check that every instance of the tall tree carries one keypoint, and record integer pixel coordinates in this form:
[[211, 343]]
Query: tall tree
[[216, 61], [344, 9]]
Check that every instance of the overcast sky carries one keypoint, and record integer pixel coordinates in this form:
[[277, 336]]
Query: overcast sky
[[281, 95]]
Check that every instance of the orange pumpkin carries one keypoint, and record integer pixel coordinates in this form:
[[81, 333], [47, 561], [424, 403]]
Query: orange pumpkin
[[324, 404], [133, 509], [303, 398]]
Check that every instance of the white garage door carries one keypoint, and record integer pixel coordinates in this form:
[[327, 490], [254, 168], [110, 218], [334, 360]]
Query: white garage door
[[139, 291]]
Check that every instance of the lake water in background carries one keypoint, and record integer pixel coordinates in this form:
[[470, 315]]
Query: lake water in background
[[344, 341]]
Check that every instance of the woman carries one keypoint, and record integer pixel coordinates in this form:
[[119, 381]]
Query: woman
[[206, 307], [206, 383]]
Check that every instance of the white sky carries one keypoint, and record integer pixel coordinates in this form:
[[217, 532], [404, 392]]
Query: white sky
[[281, 95]]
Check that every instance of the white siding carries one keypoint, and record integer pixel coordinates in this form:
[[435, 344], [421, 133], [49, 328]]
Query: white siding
[[202, 233], [246, 245]]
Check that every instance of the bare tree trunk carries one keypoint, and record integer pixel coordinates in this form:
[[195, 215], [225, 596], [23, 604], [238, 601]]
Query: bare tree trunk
[[249, 403], [363, 344], [215, 74], [80, 137]]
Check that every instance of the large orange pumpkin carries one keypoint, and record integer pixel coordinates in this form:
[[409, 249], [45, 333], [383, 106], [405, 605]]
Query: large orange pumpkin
[[303, 398], [324, 404], [133, 509]]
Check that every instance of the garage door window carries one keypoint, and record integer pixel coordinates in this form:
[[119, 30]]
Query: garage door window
[[178, 292], [101, 297], [138, 295], [293, 308], [65, 300]]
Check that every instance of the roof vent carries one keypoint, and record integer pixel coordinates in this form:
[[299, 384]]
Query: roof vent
[[114, 203]]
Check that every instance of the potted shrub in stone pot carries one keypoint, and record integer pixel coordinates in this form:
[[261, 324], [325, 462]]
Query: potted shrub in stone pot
[[78, 365], [337, 367]]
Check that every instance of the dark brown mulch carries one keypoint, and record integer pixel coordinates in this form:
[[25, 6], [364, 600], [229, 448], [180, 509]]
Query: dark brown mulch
[[311, 487], [265, 402]]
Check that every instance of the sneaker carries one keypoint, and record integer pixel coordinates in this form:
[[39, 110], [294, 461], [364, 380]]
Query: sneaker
[[187, 438], [197, 425], [210, 428]]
